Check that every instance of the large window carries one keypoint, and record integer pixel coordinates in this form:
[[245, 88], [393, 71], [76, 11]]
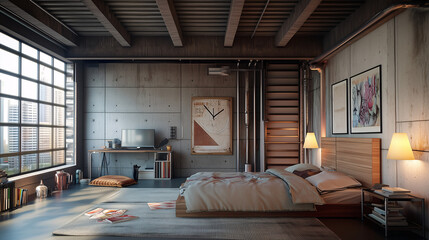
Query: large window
[[37, 109]]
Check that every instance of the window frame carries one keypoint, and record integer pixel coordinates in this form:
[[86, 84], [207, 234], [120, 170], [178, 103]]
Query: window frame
[[52, 126]]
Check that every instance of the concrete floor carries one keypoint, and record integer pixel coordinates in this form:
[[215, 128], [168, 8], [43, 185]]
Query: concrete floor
[[38, 219]]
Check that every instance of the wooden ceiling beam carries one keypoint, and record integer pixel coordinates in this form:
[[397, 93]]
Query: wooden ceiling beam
[[102, 12], [168, 12], [291, 25], [35, 16], [233, 21]]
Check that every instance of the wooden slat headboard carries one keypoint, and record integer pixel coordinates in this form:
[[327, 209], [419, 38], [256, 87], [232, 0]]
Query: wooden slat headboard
[[357, 157]]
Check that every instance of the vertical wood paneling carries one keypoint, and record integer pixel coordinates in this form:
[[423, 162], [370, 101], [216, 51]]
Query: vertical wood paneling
[[282, 111]]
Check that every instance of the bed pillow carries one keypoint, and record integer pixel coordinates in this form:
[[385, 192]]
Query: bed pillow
[[327, 181], [306, 173], [302, 167], [113, 181]]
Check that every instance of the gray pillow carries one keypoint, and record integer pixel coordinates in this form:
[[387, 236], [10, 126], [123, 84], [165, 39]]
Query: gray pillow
[[302, 167], [327, 181]]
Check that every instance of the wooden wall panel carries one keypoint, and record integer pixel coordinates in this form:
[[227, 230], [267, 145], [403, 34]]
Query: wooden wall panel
[[282, 110], [357, 157]]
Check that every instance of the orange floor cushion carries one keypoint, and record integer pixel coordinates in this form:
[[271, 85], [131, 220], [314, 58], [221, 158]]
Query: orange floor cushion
[[113, 181]]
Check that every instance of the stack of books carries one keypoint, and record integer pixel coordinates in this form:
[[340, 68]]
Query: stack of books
[[3, 176], [394, 217], [393, 192]]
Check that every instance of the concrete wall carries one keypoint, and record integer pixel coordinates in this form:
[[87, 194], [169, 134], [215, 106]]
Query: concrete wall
[[150, 95], [313, 121], [401, 46]]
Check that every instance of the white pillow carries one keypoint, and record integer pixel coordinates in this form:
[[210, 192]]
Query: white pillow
[[302, 167], [332, 181]]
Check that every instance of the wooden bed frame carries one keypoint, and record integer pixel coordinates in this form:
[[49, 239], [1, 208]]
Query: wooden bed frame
[[357, 157]]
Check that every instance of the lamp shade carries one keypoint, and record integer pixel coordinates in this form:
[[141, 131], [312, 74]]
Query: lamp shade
[[310, 141], [400, 148]]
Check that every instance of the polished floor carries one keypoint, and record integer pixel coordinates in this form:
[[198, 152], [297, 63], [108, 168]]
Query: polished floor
[[38, 219]]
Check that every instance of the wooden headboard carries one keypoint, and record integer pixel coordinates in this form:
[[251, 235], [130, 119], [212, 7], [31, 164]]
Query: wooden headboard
[[357, 157]]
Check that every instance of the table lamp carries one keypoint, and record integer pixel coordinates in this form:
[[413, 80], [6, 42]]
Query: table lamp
[[310, 142], [400, 149]]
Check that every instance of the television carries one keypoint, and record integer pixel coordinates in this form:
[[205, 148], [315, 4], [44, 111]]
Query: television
[[138, 138]]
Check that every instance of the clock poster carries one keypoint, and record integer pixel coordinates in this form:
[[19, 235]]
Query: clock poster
[[211, 125]]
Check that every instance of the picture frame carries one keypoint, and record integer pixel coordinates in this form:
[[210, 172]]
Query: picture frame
[[339, 104], [365, 101], [211, 124]]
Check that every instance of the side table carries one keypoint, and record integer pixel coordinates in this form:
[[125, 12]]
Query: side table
[[386, 206]]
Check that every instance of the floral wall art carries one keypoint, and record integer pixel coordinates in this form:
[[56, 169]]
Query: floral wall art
[[365, 101]]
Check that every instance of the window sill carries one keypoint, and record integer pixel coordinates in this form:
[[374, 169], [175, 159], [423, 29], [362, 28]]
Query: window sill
[[16, 178]]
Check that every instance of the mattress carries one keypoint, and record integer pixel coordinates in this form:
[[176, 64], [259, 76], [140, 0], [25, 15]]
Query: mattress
[[347, 196]]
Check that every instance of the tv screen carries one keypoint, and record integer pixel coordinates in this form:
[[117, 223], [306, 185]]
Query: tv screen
[[138, 138]]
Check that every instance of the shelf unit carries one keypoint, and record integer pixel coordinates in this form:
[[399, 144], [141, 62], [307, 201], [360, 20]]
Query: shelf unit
[[367, 207], [144, 173], [6, 196], [282, 115], [12, 198], [162, 166]]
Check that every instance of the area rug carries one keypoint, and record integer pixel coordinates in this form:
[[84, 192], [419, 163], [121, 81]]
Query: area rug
[[164, 224]]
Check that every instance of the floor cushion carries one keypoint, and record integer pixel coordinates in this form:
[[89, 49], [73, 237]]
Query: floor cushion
[[113, 181]]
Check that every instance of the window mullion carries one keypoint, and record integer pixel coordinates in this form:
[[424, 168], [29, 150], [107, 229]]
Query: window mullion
[[38, 111], [20, 109]]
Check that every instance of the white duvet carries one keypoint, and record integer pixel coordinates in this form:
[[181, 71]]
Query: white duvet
[[274, 190]]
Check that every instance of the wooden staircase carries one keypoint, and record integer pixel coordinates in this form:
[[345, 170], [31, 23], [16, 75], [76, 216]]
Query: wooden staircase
[[282, 115]]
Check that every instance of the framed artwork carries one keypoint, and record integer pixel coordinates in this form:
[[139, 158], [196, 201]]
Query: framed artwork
[[339, 107], [211, 125], [365, 101]]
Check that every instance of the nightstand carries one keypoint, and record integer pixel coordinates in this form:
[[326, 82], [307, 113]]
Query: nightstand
[[381, 209]]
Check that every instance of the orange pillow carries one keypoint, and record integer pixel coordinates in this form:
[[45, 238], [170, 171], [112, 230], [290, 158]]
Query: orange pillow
[[113, 181]]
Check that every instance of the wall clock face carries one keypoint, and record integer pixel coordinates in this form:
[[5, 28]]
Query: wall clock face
[[211, 125]]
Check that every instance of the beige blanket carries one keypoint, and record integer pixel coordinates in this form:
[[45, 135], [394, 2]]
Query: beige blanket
[[276, 190]]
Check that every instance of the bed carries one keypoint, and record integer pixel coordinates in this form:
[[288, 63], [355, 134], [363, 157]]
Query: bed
[[356, 157]]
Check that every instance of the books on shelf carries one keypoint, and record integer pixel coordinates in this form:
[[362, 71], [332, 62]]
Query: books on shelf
[[391, 194], [392, 210], [11, 197], [390, 222], [162, 167], [395, 190], [395, 216]]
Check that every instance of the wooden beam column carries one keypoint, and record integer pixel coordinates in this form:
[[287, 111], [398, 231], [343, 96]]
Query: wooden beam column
[[102, 12], [290, 26], [233, 21], [168, 12]]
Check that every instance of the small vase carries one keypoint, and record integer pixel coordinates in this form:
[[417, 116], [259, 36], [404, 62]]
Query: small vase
[[41, 190]]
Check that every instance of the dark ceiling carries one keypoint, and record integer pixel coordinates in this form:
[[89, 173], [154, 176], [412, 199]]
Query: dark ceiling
[[199, 17], [196, 17]]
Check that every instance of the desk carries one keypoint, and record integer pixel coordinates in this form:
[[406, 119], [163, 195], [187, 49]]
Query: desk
[[107, 150]]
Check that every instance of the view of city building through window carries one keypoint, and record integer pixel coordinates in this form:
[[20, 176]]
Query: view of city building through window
[[37, 109]]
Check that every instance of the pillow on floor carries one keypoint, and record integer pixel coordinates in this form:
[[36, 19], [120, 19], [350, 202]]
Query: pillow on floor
[[112, 181]]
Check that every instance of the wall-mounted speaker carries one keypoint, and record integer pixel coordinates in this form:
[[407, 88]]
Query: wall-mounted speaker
[[173, 132]]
